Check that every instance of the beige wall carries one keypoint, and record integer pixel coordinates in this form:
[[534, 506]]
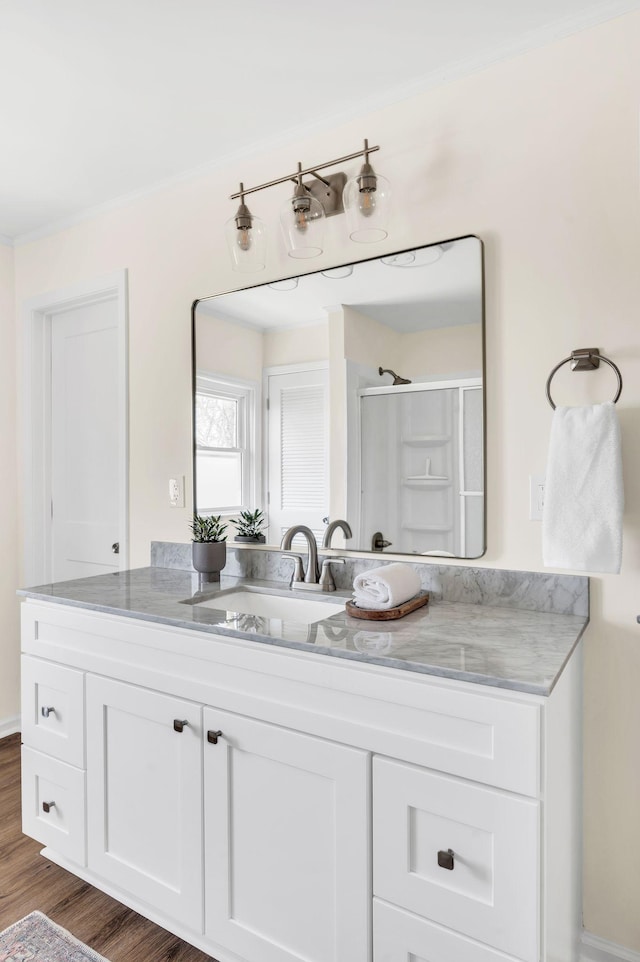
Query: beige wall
[[9, 627], [441, 352], [538, 156], [368, 342], [300, 344], [227, 348], [437, 352]]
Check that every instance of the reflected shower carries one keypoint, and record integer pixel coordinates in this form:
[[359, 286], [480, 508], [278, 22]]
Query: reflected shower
[[396, 378]]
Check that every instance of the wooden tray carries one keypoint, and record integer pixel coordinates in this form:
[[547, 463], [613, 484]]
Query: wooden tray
[[388, 614]]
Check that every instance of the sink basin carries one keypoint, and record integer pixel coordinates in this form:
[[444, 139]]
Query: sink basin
[[304, 611]]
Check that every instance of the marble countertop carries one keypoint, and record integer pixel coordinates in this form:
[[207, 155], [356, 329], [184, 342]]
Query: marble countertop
[[501, 647]]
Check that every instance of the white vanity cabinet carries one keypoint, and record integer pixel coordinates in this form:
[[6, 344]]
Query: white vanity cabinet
[[275, 805]]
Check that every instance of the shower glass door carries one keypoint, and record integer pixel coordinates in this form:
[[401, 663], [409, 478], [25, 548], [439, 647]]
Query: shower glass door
[[422, 443]]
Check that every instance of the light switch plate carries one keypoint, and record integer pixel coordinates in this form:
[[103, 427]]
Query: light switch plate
[[176, 492], [536, 496]]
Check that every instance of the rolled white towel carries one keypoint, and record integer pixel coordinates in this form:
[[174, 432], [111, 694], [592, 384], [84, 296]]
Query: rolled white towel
[[385, 587]]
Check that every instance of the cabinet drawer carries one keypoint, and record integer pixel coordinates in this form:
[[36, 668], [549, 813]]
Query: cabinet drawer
[[53, 710], [49, 783], [399, 936], [491, 891]]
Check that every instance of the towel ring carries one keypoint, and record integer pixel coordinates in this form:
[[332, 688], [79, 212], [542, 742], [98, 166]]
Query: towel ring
[[584, 360]]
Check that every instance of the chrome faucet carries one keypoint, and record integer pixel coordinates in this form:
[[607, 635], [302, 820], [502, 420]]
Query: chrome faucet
[[311, 577], [344, 525]]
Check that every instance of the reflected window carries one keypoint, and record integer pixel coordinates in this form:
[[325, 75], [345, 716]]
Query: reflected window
[[224, 421]]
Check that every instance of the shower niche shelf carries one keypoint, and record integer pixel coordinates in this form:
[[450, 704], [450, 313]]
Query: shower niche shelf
[[426, 440], [426, 482]]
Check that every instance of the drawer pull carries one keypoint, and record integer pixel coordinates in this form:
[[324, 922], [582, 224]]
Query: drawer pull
[[47, 806], [445, 859], [46, 711], [212, 737], [179, 724]]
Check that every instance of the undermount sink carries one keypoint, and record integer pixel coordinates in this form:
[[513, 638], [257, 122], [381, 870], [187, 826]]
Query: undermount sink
[[304, 611]]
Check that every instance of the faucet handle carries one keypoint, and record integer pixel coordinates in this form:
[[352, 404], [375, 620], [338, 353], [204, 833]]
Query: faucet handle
[[298, 570], [326, 576]]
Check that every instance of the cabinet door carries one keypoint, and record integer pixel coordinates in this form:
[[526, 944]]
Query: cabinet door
[[144, 796], [286, 843]]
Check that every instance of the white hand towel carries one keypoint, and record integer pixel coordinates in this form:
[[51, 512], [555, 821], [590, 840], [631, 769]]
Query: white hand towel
[[583, 498], [385, 587]]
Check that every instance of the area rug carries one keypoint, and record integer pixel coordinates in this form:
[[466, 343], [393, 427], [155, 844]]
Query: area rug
[[35, 938]]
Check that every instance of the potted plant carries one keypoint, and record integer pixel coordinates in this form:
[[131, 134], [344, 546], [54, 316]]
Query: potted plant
[[249, 526], [209, 548]]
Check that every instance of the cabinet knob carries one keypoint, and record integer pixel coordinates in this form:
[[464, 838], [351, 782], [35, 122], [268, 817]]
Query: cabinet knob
[[47, 806], [115, 547], [445, 859], [212, 737], [179, 724], [46, 711]]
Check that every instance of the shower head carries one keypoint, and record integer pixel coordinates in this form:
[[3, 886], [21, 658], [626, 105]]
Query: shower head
[[396, 378]]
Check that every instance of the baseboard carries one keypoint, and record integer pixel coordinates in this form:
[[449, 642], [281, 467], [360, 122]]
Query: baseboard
[[595, 949], [9, 726]]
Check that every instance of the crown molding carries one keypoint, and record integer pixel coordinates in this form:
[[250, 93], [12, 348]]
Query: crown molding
[[532, 40]]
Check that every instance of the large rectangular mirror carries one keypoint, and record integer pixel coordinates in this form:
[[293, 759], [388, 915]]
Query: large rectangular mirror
[[353, 393]]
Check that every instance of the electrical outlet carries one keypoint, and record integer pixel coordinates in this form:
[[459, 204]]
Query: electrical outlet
[[536, 496], [176, 492]]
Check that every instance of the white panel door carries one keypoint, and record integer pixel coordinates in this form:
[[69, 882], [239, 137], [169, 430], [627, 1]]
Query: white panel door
[[85, 445], [298, 453], [286, 843], [144, 791]]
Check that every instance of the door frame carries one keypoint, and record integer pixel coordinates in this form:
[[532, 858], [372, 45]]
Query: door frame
[[38, 315]]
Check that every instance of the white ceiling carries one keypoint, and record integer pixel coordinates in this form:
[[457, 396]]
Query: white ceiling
[[440, 286], [106, 99]]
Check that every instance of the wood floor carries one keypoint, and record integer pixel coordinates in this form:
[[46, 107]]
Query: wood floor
[[29, 882]]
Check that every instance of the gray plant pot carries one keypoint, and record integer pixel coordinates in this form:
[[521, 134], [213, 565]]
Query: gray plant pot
[[209, 558], [254, 539]]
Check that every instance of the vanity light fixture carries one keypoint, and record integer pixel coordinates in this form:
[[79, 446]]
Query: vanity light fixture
[[364, 198], [302, 222], [366, 203], [246, 238]]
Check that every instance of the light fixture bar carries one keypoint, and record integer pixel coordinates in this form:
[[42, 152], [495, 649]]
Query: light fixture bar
[[309, 170]]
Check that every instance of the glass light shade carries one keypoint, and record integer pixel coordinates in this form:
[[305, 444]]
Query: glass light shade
[[367, 211], [303, 232], [338, 272], [399, 260], [425, 257], [288, 284], [248, 247]]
